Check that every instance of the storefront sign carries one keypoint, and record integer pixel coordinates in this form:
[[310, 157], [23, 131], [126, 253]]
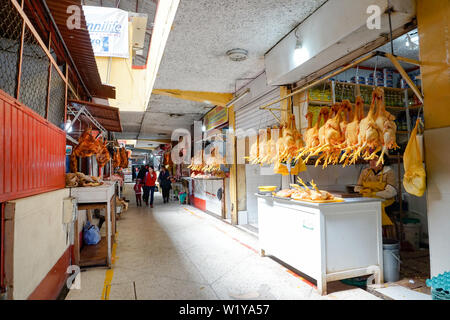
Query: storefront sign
[[108, 29], [68, 150], [216, 117]]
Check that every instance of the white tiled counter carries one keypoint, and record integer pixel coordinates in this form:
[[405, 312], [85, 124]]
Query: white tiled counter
[[326, 241]]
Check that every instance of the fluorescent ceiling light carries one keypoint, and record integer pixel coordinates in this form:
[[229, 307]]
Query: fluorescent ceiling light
[[165, 15]]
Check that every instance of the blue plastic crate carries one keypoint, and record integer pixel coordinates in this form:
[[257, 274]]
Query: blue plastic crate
[[440, 286]]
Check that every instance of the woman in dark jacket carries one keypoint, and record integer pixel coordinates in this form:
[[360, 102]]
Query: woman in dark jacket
[[164, 183]]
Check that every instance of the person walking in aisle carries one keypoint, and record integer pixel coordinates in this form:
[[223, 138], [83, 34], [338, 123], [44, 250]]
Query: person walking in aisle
[[164, 183], [149, 185], [142, 172], [138, 192]]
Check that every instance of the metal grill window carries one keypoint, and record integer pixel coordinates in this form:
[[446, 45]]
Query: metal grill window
[[10, 35], [57, 99], [34, 80]]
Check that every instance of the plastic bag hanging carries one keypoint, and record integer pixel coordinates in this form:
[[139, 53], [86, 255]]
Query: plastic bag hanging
[[414, 179]]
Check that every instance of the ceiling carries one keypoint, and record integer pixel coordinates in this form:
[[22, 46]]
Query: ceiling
[[195, 55]]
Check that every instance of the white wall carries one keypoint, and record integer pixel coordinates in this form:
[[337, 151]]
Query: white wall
[[39, 239], [437, 155], [254, 179]]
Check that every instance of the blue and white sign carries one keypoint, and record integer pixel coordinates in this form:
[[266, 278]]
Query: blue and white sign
[[108, 29]]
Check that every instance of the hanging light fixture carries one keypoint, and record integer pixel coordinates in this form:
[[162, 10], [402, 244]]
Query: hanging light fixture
[[301, 54], [68, 126]]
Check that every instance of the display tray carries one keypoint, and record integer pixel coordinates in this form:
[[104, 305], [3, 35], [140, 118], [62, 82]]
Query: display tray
[[320, 201]]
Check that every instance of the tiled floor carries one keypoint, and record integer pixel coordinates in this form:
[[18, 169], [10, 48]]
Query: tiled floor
[[177, 252]]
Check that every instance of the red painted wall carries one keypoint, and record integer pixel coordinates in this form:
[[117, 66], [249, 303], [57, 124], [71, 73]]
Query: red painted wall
[[51, 286], [32, 152]]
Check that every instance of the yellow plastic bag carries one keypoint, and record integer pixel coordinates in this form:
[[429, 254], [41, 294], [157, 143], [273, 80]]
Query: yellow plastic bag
[[414, 179], [299, 167], [281, 168]]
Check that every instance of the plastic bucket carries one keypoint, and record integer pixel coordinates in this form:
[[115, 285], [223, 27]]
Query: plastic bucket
[[391, 260]]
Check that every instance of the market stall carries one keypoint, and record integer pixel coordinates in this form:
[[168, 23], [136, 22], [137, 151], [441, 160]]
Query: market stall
[[326, 241], [91, 198]]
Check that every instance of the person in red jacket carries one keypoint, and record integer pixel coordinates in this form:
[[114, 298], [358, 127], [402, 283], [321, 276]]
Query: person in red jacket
[[149, 185]]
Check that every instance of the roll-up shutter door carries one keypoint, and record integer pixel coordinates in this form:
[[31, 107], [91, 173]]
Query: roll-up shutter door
[[251, 117]]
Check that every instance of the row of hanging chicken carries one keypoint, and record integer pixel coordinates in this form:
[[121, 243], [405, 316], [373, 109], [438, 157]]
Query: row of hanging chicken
[[345, 136], [89, 146]]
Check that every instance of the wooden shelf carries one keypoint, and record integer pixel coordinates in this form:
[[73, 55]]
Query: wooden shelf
[[320, 102], [94, 255]]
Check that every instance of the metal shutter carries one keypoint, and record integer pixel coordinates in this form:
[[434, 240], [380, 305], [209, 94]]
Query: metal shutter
[[251, 117]]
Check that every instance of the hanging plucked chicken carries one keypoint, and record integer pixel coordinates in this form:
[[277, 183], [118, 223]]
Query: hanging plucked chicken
[[103, 155]]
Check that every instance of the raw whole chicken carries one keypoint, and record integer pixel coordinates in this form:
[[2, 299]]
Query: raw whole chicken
[[347, 109], [332, 137], [103, 155], [254, 150], [369, 137], [271, 146], [73, 163], [387, 126], [123, 158], [352, 130], [116, 159], [414, 179], [87, 145], [263, 145], [314, 194], [287, 142], [284, 193]]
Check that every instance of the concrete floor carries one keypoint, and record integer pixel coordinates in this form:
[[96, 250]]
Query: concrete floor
[[177, 252]]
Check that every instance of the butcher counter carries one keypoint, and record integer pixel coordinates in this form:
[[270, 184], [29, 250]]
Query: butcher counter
[[325, 241]]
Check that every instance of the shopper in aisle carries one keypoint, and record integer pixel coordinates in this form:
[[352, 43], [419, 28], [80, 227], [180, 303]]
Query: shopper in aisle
[[142, 172], [138, 192], [164, 183], [149, 185]]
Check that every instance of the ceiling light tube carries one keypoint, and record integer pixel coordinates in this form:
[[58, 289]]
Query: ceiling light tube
[[236, 99]]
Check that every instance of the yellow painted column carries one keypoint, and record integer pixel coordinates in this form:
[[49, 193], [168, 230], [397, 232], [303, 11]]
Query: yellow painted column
[[433, 19]]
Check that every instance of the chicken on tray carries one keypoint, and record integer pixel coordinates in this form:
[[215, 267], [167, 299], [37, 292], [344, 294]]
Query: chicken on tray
[[303, 193]]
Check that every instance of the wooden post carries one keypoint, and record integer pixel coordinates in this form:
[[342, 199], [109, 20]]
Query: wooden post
[[76, 243], [285, 104], [49, 78], [233, 170], [66, 93], [10, 209], [19, 66], [400, 235]]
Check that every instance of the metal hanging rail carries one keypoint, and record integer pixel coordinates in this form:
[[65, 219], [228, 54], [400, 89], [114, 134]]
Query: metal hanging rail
[[77, 110], [394, 59]]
